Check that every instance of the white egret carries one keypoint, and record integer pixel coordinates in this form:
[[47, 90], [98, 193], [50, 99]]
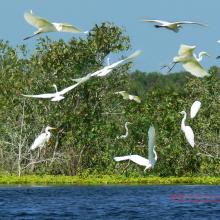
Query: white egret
[[108, 69], [187, 130], [45, 26], [125, 95], [189, 61], [126, 131], [173, 26], [218, 41], [152, 155], [195, 108], [42, 139], [57, 96]]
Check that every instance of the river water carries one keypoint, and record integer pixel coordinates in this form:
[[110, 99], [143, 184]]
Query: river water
[[110, 202]]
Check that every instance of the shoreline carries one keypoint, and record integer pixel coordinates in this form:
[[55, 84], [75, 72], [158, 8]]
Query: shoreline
[[107, 180]]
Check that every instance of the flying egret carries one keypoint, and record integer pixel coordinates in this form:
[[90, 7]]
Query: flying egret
[[173, 26], [41, 140], [108, 69], [125, 95], [190, 61], [218, 41], [45, 26], [57, 96], [187, 130], [126, 129], [195, 108], [152, 155]]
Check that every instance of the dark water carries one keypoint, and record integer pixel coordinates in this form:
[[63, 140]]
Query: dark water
[[110, 202]]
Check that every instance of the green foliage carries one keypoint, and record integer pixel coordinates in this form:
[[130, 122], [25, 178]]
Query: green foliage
[[91, 116]]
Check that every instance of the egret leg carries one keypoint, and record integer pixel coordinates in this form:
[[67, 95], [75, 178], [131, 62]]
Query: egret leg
[[170, 68], [26, 38]]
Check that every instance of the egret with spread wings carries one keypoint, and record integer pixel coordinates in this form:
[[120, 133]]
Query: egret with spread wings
[[58, 95], [173, 26], [125, 95], [190, 61], [152, 155], [44, 26]]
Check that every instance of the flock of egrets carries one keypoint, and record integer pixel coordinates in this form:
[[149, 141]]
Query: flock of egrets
[[186, 57]]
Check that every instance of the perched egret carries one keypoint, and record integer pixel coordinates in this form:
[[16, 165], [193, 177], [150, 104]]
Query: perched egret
[[195, 108], [125, 95], [126, 129], [45, 26], [41, 140], [189, 61], [173, 26], [152, 155], [108, 69], [57, 96], [187, 130]]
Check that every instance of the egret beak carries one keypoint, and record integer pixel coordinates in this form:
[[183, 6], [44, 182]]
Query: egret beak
[[52, 128]]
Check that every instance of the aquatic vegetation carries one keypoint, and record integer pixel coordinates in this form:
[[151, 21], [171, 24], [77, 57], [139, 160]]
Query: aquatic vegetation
[[106, 179]]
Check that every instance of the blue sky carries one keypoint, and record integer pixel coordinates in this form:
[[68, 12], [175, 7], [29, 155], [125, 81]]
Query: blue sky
[[158, 45]]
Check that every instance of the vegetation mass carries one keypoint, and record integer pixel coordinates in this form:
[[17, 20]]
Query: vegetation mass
[[91, 116]]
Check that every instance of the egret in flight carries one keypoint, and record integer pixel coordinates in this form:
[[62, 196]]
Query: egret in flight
[[152, 155], [187, 130], [58, 95], [126, 129], [45, 26], [42, 139], [125, 95], [195, 108], [190, 61], [173, 26], [108, 69]]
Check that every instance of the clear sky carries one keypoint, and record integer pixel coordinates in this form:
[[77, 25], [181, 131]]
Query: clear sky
[[158, 45]]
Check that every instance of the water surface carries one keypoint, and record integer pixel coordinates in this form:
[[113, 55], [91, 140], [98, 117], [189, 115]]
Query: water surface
[[110, 202]]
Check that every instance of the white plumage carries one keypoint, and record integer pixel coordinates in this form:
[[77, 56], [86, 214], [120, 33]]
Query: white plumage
[[108, 69], [152, 155], [57, 96], [187, 130], [42, 139], [173, 26], [45, 26], [195, 108], [125, 95], [189, 61]]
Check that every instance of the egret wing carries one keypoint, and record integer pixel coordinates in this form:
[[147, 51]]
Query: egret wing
[[43, 96], [36, 21], [189, 135], [186, 50], [70, 28], [132, 56], [190, 22], [151, 142], [135, 98], [156, 21], [195, 108], [135, 158], [83, 79], [124, 94], [195, 68], [122, 158], [39, 141], [128, 59]]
